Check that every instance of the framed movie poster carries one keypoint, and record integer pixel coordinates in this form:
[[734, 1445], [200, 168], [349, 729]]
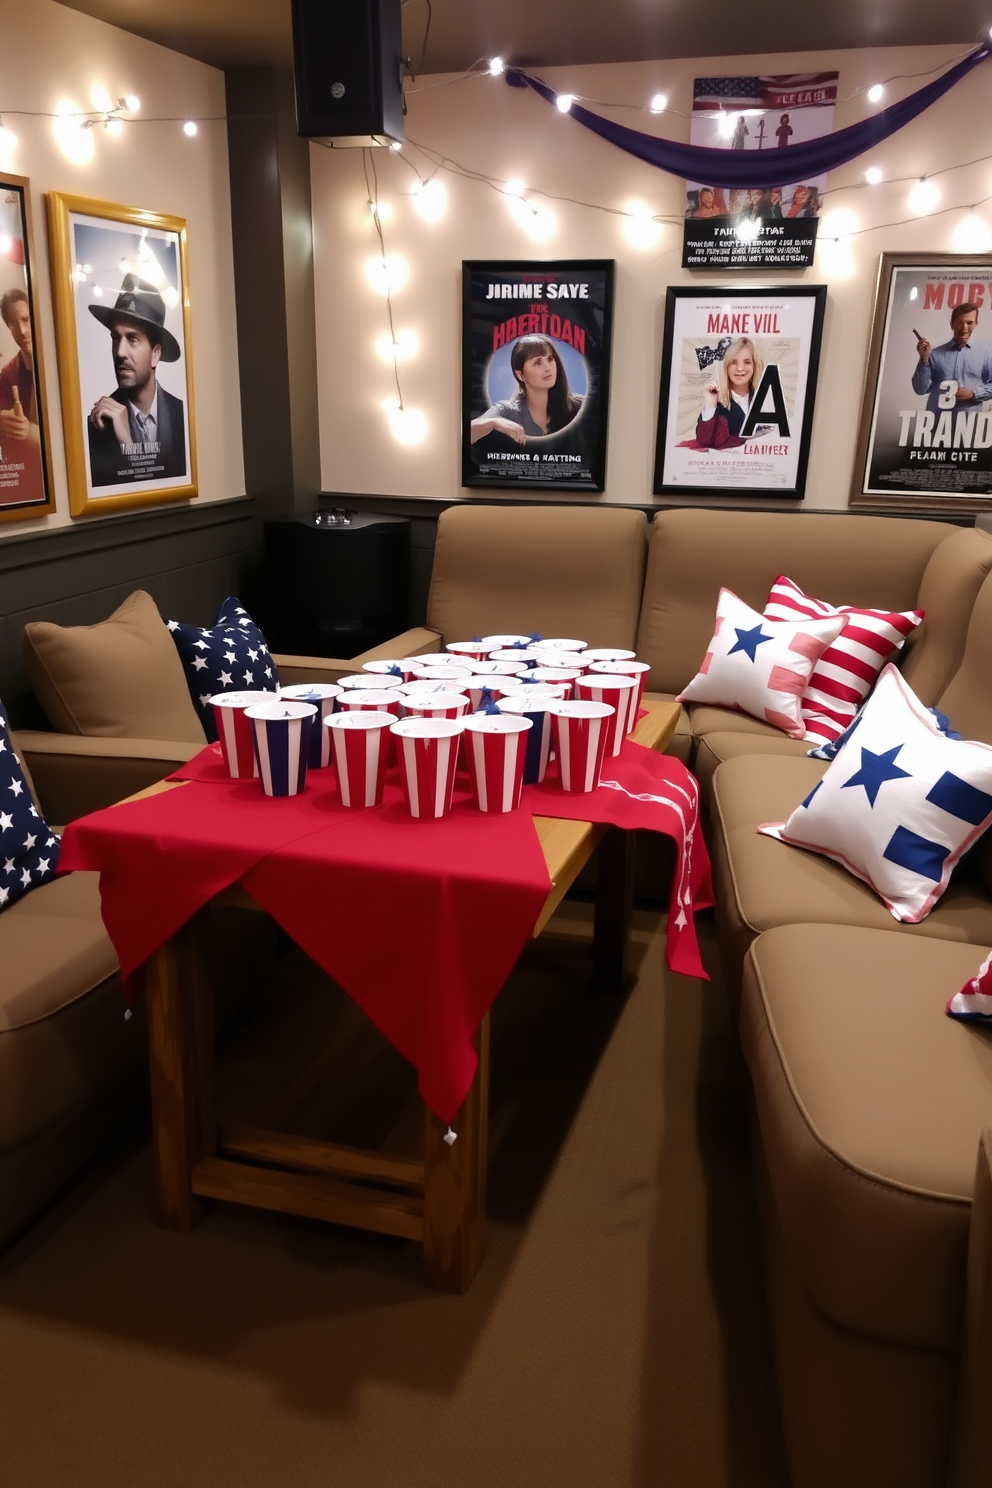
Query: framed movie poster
[[25, 454], [925, 442], [121, 291], [738, 379], [536, 373]]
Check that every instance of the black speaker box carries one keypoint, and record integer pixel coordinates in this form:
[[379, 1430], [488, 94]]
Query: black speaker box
[[349, 71]]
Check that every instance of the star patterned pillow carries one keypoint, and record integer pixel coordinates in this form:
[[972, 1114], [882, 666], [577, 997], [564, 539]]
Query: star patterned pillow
[[901, 803], [228, 656], [29, 851], [760, 666]]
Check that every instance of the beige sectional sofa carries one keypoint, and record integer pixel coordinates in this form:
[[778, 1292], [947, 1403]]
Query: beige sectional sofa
[[869, 1105]]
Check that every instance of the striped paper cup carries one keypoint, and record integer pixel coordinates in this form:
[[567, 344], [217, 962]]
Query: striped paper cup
[[322, 695], [360, 742], [537, 750], [498, 642], [366, 681], [580, 730], [234, 730], [620, 693], [492, 668], [281, 733], [559, 645], [606, 653], [372, 700], [475, 686], [638, 669], [496, 746], [401, 670], [437, 705], [524, 654], [456, 674], [557, 676], [427, 749], [471, 650]]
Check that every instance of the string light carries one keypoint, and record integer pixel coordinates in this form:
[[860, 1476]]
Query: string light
[[190, 128], [659, 103], [407, 425], [873, 175], [564, 102], [387, 274], [398, 347], [875, 93], [924, 197], [640, 229], [747, 229], [8, 144], [496, 66], [430, 200], [972, 235], [73, 139]]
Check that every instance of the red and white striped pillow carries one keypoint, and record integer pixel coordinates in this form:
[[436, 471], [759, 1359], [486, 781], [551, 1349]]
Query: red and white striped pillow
[[848, 669]]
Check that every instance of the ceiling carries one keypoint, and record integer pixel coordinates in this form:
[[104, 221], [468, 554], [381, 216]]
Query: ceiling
[[242, 33]]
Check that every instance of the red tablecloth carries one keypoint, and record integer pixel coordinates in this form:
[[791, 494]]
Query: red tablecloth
[[420, 922]]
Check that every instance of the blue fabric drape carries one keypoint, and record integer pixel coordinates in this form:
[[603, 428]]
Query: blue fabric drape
[[743, 168]]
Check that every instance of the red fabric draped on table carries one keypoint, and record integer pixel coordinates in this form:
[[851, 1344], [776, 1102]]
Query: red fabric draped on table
[[419, 921]]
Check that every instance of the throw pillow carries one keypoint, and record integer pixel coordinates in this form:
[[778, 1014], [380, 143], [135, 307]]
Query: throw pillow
[[29, 851], [758, 666], [119, 679], [900, 804], [973, 1004], [848, 669], [830, 751], [228, 656]]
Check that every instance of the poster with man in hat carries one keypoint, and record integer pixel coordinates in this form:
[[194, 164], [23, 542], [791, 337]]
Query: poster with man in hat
[[120, 283]]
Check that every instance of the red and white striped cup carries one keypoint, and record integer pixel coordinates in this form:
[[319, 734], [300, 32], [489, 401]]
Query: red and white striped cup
[[471, 650], [492, 668], [557, 676], [322, 695], [565, 660], [476, 685], [281, 734], [496, 746], [555, 644], [368, 681], [537, 745], [372, 700], [437, 705], [524, 654], [499, 642], [608, 653], [445, 674], [427, 749], [234, 730], [638, 669], [619, 692], [400, 670], [580, 731], [360, 742]]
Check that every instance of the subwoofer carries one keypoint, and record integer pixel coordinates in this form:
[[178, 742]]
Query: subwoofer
[[349, 71]]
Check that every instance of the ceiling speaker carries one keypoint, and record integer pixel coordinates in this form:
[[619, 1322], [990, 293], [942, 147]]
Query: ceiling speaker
[[348, 63]]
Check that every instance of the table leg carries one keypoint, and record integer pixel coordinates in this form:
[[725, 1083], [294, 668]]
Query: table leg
[[614, 897], [181, 1058], [455, 1184]]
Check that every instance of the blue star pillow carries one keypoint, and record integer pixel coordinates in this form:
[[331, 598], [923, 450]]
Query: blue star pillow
[[29, 852], [760, 666], [900, 804], [228, 656]]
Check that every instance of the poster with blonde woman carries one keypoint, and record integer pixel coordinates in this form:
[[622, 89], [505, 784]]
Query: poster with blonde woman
[[737, 387], [535, 373]]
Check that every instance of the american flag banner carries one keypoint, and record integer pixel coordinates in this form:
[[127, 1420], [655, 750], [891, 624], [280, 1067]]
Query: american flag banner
[[29, 850], [765, 91]]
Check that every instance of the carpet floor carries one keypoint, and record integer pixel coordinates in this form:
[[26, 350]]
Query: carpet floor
[[615, 1336]]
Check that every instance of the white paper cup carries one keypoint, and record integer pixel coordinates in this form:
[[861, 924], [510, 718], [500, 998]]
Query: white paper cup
[[580, 733], [638, 669], [437, 705], [401, 669], [234, 730], [608, 653], [564, 660], [476, 685], [371, 700], [556, 676], [456, 674], [427, 750], [361, 743], [620, 692], [368, 681], [537, 749], [322, 695], [495, 746], [471, 650], [557, 644], [523, 654], [281, 731], [498, 642]]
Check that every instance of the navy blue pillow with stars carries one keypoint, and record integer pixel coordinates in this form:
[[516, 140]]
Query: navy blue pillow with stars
[[228, 656], [29, 851]]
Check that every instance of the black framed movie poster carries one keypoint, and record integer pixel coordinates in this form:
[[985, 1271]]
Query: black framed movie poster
[[738, 381], [925, 442], [536, 373]]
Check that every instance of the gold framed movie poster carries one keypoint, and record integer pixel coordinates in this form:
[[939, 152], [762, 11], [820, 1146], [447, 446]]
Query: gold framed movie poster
[[121, 292], [26, 488], [925, 442]]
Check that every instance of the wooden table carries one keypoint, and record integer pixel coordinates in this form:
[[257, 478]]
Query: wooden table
[[438, 1201]]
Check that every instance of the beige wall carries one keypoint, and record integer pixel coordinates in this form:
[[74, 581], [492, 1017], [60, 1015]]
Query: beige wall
[[486, 126], [48, 52]]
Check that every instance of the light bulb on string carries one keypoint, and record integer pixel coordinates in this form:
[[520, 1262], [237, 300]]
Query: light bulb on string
[[564, 102], [747, 230], [875, 93], [8, 144], [659, 103], [190, 128], [972, 235], [873, 175], [640, 228], [72, 135], [397, 348], [725, 124], [396, 144], [130, 103], [407, 425], [923, 197], [113, 127], [387, 275], [430, 199], [496, 66]]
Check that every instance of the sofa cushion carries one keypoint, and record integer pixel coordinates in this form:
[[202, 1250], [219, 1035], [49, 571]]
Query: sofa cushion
[[714, 748], [758, 666], [53, 948], [227, 656], [118, 679], [849, 668], [842, 557], [870, 1104], [562, 571], [29, 851], [951, 583], [900, 804]]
